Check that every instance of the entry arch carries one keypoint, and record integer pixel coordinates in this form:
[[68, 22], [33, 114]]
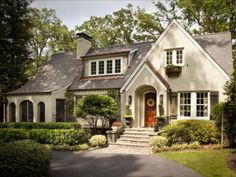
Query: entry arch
[[141, 107]]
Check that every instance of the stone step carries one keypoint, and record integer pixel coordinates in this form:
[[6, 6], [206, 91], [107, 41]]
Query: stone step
[[132, 140], [139, 133], [140, 129], [128, 144], [135, 136]]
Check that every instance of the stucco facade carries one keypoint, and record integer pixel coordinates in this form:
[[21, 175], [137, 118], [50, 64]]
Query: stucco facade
[[139, 73]]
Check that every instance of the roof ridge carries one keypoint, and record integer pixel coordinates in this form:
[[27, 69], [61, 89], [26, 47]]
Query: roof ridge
[[123, 45], [210, 34]]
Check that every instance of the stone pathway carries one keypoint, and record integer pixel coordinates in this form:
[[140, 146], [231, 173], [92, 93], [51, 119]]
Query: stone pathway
[[114, 149]]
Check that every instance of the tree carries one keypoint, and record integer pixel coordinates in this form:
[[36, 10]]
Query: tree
[[230, 109], [49, 36], [95, 107], [14, 37], [126, 26]]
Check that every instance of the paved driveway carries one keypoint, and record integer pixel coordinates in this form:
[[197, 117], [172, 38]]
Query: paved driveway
[[76, 164]]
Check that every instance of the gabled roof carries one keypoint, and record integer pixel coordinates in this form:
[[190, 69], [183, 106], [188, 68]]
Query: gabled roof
[[111, 82], [63, 70], [58, 73]]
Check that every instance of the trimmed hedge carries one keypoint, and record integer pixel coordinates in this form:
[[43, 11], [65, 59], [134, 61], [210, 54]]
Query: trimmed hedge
[[41, 125], [45, 136], [189, 131], [24, 159]]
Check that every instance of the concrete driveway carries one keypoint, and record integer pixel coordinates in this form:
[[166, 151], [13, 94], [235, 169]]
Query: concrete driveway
[[76, 164]]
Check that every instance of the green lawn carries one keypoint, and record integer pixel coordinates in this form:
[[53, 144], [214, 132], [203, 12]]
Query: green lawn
[[209, 163]]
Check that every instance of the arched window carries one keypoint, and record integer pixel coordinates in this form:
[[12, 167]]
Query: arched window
[[12, 112], [41, 112], [26, 111]]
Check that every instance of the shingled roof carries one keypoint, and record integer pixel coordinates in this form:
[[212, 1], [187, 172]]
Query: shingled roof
[[219, 47], [63, 70], [58, 73], [111, 82]]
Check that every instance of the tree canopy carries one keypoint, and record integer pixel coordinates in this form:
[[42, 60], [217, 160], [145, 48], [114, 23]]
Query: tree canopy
[[14, 38], [49, 35], [125, 26], [95, 107]]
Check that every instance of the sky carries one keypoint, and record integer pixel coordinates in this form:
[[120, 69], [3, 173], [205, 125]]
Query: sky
[[75, 12]]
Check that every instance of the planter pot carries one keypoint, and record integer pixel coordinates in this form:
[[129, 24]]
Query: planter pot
[[116, 127], [173, 71]]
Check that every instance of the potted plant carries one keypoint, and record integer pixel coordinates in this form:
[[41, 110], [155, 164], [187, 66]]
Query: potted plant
[[116, 125], [128, 116], [172, 70]]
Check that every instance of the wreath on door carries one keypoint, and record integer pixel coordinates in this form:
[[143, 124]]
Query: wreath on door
[[150, 102]]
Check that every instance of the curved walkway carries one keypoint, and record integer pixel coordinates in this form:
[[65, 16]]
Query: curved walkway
[[79, 164]]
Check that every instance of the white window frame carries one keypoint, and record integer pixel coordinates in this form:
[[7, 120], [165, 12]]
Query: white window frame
[[194, 106], [105, 66], [174, 56], [186, 105], [208, 105]]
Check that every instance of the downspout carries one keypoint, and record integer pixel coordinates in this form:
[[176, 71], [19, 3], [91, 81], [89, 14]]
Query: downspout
[[168, 104]]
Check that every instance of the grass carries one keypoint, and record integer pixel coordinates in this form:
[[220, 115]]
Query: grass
[[208, 163]]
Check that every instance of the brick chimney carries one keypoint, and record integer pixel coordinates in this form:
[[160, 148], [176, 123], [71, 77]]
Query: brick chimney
[[83, 44]]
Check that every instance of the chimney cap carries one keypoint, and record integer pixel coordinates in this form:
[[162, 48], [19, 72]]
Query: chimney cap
[[83, 35]]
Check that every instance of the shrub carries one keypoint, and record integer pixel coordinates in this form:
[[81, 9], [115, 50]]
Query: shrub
[[41, 125], [188, 131], [158, 141], [24, 158], [45, 136], [66, 147], [97, 141]]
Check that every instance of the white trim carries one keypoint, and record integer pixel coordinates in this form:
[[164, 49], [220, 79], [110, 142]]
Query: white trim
[[158, 41], [138, 74], [193, 95], [105, 66]]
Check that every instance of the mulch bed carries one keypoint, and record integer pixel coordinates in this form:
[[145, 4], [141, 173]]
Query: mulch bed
[[231, 162]]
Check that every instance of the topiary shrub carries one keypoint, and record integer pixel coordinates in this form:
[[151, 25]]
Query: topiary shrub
[[41, 125], [188, 131], [24, 158], [98, 141]]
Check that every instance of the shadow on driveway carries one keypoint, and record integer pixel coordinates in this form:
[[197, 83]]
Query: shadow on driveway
[[75, 164]]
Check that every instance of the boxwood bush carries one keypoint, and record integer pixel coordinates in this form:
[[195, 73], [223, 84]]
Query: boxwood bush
[[45, 136], [41, 125], [24, 159], [188, 131]]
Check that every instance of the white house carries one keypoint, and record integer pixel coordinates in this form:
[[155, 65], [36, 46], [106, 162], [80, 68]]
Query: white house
[[179, 76]]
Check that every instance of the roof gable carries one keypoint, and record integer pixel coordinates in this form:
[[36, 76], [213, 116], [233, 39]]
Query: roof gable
[[195, 43]]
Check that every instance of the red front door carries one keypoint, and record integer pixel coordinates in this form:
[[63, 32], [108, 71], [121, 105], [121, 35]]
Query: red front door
[[150, 109]]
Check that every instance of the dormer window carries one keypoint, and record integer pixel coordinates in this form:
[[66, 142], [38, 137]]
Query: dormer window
[[174, 57], [117, 66], [93, 68], [105, 66]]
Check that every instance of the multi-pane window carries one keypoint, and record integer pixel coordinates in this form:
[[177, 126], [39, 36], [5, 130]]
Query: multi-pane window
[[117, 66], [174, 56], [109, 66], [169, 57], [179, 56], [93, 68], [202, 104], [106, 66], [101, 67], [185, 104]]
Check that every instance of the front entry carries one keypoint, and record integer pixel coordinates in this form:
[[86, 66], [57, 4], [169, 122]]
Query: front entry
[[150, 109]]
